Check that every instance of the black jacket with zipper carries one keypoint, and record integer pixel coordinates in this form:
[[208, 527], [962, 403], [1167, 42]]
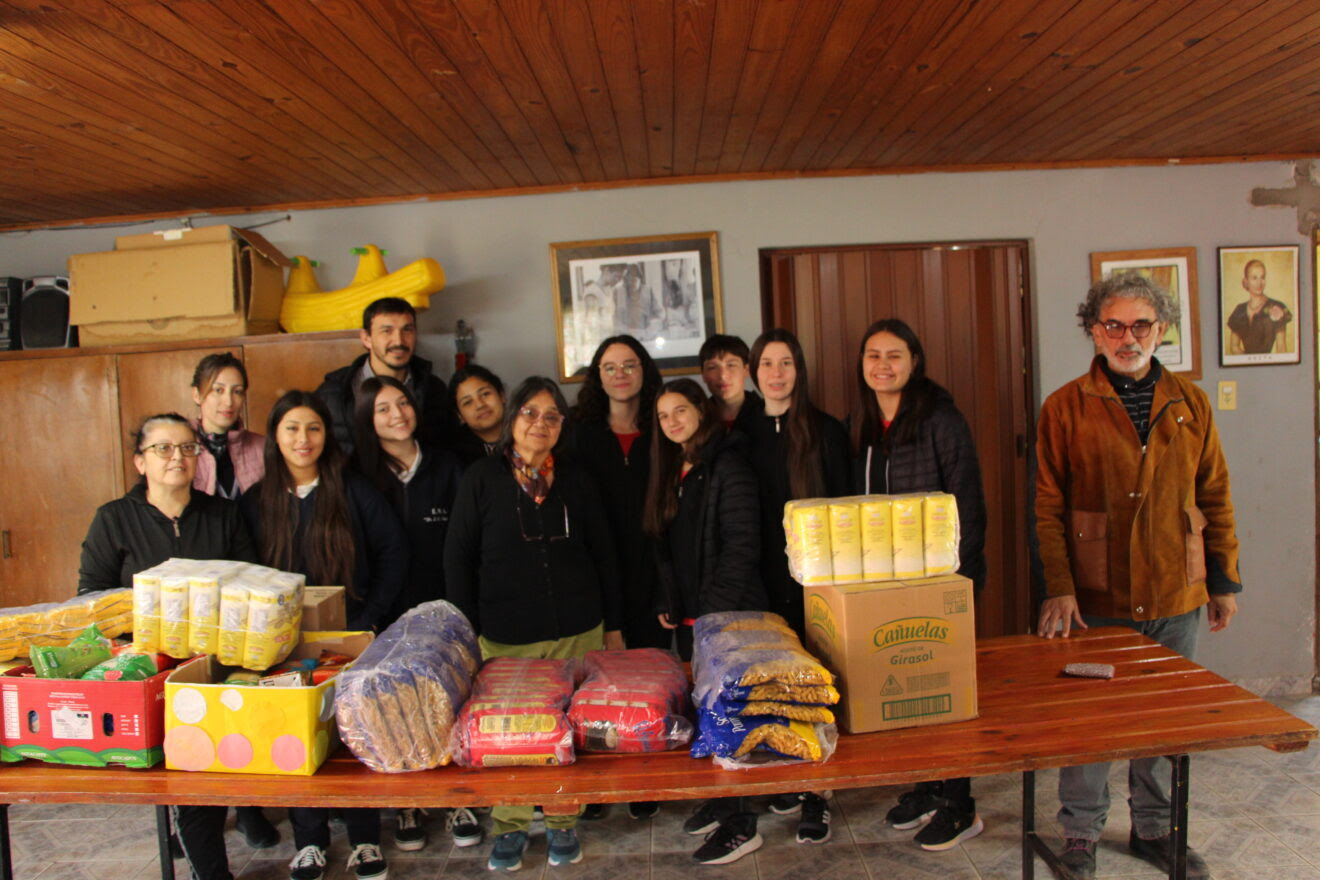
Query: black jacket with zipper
[[424, 504], [721, 569], [129, 535], [436, 422]]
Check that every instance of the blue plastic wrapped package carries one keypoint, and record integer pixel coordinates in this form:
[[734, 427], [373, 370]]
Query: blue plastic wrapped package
[[737, 737], [818, 695], [630, 701], [396, 705], [745, 648], [795, 711]]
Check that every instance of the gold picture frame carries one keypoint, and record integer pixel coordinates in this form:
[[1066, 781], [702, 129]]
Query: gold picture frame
[[1175, 270]]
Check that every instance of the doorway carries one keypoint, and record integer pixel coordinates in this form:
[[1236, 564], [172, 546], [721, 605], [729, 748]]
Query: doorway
[[968, 302]]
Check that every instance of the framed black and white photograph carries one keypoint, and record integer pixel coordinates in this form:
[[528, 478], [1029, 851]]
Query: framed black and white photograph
[[1174, 269], [1258, 305], [662, 289]]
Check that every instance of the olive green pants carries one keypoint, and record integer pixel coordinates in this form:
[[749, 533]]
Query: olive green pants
[[518, 817]]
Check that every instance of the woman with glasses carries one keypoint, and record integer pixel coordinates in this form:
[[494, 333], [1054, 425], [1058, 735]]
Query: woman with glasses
[[908, 436], [611, 436], [479, 401], [309, 514], [163, 515], [530, 560], [230, 461]]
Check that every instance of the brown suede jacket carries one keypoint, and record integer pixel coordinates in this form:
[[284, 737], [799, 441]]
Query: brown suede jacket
[[1132, 532]]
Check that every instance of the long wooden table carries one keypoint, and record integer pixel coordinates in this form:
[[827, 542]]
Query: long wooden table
[[1032, 718]]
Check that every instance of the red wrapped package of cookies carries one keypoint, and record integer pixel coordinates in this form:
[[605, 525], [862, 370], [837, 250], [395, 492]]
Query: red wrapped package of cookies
[[515, 715], [631, 701]]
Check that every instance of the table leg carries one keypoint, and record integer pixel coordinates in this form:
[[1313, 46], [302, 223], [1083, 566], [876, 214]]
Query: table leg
[[1178, 796], [6, 859], [1028, 824], [163, 839]]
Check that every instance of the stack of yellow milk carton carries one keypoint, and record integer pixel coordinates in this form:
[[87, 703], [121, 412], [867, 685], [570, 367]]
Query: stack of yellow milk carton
[[247, 615], [884, 606]]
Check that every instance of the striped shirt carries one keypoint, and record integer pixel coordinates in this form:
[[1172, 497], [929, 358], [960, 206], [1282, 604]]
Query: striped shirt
[[1137, 396]]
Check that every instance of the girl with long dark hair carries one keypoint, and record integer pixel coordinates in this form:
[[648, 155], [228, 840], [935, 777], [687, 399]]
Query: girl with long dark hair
[[230, 462], [908, 436], [611, 432], [311, 515]]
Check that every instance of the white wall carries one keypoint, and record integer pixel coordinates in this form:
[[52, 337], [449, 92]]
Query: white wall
[[496, 256]]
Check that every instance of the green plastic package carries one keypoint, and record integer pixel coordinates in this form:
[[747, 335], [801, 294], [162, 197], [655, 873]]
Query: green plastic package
[[71, 661], [125, 667]]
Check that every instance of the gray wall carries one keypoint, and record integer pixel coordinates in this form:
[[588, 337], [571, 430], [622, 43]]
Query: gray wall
[[496, 257]]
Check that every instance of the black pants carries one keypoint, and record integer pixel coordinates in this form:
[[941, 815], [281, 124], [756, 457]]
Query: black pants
[[311, 826], [201, 833]]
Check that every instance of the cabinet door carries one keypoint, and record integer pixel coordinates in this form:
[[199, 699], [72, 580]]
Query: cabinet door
[[153, 382], [60, 459], [292, 361]]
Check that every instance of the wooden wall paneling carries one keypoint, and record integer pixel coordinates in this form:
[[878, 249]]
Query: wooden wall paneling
[[274, 59], [849, 23], [289, 362], [351, 35], [499, 51], [729, 47], [829, 388], [582, 55], [130, 73], [59, 454], [157, 382], [694, 27], [919, 94]]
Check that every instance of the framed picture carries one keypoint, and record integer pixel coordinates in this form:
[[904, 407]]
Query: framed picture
[[1174, 269], [1258, 305], [662, 289]]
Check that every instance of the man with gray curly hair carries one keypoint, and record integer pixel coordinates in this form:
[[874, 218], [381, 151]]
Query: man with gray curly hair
[[1135, 525]]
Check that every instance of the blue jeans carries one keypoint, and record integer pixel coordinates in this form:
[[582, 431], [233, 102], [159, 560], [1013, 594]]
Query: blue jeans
[[1084, 790]]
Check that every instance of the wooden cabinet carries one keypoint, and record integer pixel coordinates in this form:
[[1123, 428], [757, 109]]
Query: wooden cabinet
[[65, 421]]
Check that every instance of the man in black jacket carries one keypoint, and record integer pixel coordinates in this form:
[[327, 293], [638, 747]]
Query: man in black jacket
[[389, 334]]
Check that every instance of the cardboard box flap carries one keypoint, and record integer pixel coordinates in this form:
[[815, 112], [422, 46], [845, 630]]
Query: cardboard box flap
[[202, 235], [265, 248], [147, 285]]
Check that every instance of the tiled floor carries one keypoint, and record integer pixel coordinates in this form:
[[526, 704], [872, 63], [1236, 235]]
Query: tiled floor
[[1255, 815]]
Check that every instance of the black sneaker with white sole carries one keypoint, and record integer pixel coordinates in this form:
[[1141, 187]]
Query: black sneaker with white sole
[[786, 804], [914, 808], [949, 827], [814, 826], [410, 836], [708, 816], [465, 827], [734, 838]]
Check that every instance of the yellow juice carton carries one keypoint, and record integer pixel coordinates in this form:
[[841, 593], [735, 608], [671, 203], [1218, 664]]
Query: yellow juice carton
[[909, 550], [940, 533], [877, 539], [846, 541]]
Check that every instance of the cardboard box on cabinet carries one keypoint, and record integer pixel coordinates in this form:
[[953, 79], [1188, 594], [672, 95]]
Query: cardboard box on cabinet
[[202, 283]]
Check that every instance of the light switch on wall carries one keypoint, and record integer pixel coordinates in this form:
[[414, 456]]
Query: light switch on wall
[[1228, 395]]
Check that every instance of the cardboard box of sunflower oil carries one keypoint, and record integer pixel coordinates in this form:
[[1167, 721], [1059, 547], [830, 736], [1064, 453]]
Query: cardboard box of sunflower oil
[[904, 651]]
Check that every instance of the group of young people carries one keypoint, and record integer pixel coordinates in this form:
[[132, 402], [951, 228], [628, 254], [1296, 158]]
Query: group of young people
[[556, 529]]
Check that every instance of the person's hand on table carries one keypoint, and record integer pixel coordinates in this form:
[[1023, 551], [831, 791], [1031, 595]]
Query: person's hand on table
[[1059, 610], [1221, 610]]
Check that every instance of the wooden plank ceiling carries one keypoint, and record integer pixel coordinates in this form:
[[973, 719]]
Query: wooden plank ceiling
[[116, 108]]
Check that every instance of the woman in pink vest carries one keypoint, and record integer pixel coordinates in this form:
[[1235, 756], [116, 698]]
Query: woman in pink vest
[[230, 461]]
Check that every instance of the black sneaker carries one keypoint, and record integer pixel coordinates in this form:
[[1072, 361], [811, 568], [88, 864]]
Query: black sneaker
[[410, 836], [308, 864], [914, 808], [734, 838], [814, 826], [367, 862], [1078, 859], [643, 809], [708, 816], [256, 829], [1159, 852], [949, 827], [786, 804], [464, 826], [592, 812]]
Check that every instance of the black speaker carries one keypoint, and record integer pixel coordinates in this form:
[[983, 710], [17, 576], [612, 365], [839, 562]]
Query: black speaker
[[44, 312], [11, 290]]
